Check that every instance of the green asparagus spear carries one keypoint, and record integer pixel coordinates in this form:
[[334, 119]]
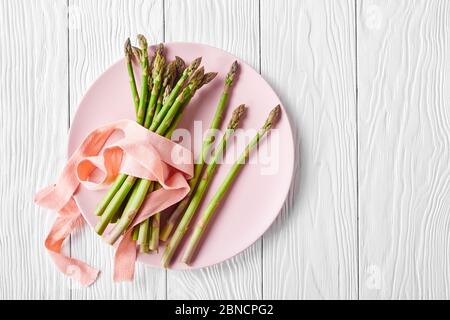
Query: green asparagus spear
[[143, 236], [159, 51], [135, 234], [144, 82], [154, 239], [170, 74], [157, 78], [128, 58], [179, 66]]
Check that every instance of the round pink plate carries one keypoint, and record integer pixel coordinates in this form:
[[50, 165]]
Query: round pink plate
[[259, 191]]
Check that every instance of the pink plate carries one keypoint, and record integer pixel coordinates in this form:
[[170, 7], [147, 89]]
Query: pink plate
[[258, 193]]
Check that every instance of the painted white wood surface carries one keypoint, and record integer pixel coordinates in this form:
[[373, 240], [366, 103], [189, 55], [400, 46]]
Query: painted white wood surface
[[311, 251], [33, 126], [404, 144], [379, 153]]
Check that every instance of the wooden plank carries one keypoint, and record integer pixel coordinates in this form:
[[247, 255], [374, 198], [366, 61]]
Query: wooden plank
[[307, 54], [404, 130], [33, 126], [232, 26], [98, 30]]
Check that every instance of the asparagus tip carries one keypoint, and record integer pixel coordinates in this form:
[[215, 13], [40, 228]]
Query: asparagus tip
[[142, 41], [170, 74], [180, 63], [158, 64], [136, 52], [238, 113], [198, 75], [208, 77], [233, 68], [128, 50], [273, 118], [160, 49], [194, 65], [167, 90], [230, 75]]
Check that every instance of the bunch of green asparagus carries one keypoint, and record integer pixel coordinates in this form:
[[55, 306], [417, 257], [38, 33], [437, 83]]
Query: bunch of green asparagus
[[166, 89]]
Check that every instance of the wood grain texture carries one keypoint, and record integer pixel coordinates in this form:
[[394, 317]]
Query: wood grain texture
[[33, 126], [98, 30], [307, 54], [404, 140], [232, 26]]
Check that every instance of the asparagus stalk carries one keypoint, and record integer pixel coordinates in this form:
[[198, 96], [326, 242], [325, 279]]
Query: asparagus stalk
[[170, 75], [215, 123], [135, 234], [197, 197], [144, 83], [153, 224], [205, 218], [161, 98], [154, 239], [116, 216], [180, 65], [174, 94], [159, 51], [128, 57], [143, 235], [119, 212], [140, 191], [145, 230], [157, 77], [130, 211]]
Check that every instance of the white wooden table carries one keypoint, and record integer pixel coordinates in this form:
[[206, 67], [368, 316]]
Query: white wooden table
[[367, 87]]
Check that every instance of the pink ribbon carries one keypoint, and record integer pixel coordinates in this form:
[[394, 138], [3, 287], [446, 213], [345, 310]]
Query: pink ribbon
[[139, 153]]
